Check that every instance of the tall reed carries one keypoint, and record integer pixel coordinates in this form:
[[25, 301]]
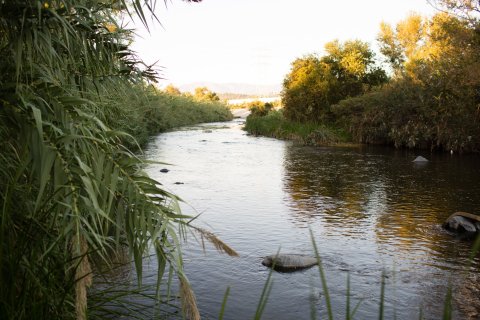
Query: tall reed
[[71, 191]]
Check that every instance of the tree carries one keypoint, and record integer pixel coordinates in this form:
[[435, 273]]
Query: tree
[[204, 94], [315, 83], [436, 48], [305, 90], [465, 9], [172, 90], [433, 101], [353, 65], [404, 45]]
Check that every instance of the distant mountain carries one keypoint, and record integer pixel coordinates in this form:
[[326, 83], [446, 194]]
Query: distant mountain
[[235, 88]]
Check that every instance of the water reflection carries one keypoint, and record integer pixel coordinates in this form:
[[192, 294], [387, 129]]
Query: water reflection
[[371, 211], [392, 207]]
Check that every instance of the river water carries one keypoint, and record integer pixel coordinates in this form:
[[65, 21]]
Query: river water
[[372, 211]]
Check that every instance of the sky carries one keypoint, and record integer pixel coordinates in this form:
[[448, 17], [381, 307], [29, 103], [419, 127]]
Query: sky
[[255, 41]]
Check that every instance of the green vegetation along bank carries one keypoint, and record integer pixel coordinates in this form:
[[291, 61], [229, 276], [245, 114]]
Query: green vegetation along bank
[[275, 125], [143, 111], [423, 92]]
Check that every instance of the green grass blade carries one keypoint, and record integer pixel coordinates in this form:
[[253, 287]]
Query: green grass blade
[[348, 298], [265, 294], [322, 277], [382, 298], [224, 303], [447, 306]]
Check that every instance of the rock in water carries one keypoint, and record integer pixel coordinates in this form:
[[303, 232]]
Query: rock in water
[[289, 262], [420, 159], [460, 224], [463, 222]]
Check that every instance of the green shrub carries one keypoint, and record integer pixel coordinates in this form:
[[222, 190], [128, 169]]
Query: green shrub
[[408, 114]]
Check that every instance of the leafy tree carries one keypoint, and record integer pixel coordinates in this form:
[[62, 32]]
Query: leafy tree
[[390, 47], [259, 109], [465, 9], [353, 65], [305, 94], [404, 45], [172, 90], [203, 94], [315, 83], [433, 101], [441, 52]]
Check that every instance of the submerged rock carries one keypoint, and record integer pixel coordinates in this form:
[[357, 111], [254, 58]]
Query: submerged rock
[[289, 262], [463, 222], [164, 170], [420, 159]]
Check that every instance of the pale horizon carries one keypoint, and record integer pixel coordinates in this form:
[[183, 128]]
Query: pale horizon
[[254, 42]]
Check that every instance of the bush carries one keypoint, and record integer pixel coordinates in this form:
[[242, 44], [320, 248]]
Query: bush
[[258, 108], [408, 114]]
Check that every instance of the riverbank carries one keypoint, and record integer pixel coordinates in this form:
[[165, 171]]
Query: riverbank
[[144, 112], [275, 125]]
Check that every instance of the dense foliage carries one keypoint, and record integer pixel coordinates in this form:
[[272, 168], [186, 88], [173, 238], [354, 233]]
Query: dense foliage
[[431, 100], [71, 192], [204, 94], [315, 83], [145, 111]]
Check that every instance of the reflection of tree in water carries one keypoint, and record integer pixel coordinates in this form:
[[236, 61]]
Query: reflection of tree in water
[[326, 184], [382, 193], [406, 201]]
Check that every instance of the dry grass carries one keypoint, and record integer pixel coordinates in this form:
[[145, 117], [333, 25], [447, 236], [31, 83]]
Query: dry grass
[[189, 303], [83, 278], [217, 243]]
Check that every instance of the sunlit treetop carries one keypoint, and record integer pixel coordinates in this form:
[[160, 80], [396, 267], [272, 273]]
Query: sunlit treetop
[[417, 40]]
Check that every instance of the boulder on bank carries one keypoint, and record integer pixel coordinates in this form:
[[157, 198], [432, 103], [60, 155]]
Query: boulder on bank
[[463, 222], [289, 262]]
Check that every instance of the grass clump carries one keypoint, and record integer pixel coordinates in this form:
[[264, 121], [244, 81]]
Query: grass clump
[[275, 125]]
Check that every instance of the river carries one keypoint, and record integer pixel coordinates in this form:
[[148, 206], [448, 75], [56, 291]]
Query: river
[[371, 210]]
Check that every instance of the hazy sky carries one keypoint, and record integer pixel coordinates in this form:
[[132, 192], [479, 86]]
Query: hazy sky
[[254, 41]]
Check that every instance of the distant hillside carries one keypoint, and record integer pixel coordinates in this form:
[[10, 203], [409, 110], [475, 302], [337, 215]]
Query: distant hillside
[[246, 89]]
